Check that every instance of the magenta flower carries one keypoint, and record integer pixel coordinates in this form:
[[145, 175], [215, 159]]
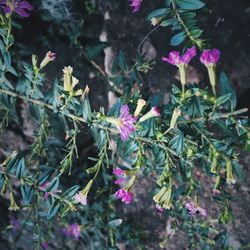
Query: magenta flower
[[126, 123], [210, 56], [20, 7], [73, 230], [135, 4], [124, 195], [118, 171], [192, 209], [176, 59]]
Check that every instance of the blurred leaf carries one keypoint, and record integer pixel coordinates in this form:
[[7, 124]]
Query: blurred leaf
[[178, 38], [225, 87], [93, 50], [115, 223], [159, 13], [190, 4], [53, 209]]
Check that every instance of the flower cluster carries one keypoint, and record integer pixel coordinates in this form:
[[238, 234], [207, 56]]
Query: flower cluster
[[124, 195], [70, 82], [208, 57], [20, 7]]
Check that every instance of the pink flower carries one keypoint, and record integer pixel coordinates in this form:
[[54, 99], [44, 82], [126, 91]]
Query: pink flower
[[120, 181], [202, 211], [118, 171], [135, 4], [176, 59], [81, 198], [126, 123], [159, 208], [192, 209], [216, 191], [124, 195], [20, 7], [73, 230], [155, 111], [210, 56]]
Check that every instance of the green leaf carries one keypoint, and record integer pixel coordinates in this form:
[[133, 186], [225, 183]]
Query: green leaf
[[20, 170], [2, 179], [53, 186], [158, 13], [177, 143], [93, 50], [53, 209], [115, 223], [122, 61], [190, 4], [225, 87], [68, 194], [178, 38], [222, 99], [53, 95], [27, 193]]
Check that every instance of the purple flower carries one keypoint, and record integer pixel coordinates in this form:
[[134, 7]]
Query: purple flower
[[135, 4], [126, 123], [210, 56], [20, 7], [118, 171], [192, 209], [73, 230], [45, 245], [15, 224], [176, 59], [124, 195]]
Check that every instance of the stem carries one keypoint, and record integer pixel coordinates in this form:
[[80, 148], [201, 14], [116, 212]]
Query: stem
[[40, 103], [178, 17]]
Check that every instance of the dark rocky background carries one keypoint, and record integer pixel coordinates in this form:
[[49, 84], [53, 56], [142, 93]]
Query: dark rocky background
[[66, 28]]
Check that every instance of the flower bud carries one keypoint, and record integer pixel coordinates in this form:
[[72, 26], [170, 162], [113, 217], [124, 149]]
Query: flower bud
[[140, 104], [13, 205], [229, 174], [67, 73], [154, 112], [176, 114], [50, 57]]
